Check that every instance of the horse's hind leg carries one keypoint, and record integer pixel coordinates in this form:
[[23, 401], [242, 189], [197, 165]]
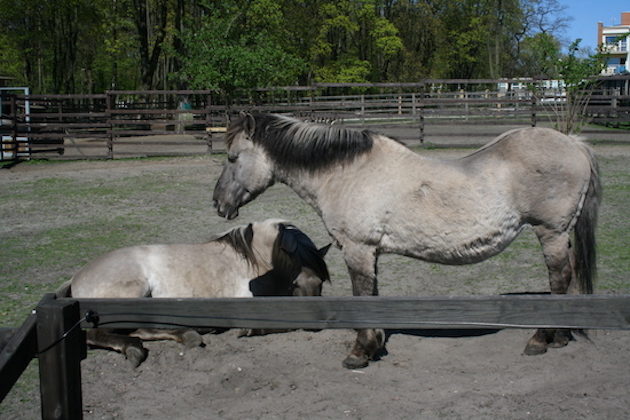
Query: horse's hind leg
[[131, 347], [560, 265]]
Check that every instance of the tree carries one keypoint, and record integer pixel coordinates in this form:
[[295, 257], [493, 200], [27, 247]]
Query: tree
[[150, 18], [238, 47], [578, 72], [540, 55]]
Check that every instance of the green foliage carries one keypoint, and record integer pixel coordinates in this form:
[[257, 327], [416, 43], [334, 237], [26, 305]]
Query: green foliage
[[349, 70], [540, 55], [10, 60], [94, 45], [578, 71], [238, 49]]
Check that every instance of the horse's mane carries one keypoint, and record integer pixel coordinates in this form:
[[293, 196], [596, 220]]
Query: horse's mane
[[241, 241], [292, 250], [297, 144]]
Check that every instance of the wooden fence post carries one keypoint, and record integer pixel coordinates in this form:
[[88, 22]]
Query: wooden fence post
[[61, 346], [209, 123], [110, 122], [14, 123], [419, 111], [363, 110], [534, 106]]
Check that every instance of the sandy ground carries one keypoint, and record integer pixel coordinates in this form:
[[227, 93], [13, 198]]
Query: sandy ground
[[422, 374]]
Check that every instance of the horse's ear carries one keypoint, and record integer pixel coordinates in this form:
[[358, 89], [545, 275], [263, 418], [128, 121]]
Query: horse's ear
[[250, 123], [288, 241], [324, 250], [249, 234]]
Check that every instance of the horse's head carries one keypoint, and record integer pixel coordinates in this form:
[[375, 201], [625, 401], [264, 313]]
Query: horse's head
[[247, 171], [297, 265]]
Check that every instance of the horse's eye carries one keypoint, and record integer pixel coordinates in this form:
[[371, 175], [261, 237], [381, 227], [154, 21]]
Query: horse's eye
[[232, 158]]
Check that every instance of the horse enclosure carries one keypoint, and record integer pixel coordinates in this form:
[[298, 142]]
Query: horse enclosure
[[448, 356], [52, 335], [158, 123]]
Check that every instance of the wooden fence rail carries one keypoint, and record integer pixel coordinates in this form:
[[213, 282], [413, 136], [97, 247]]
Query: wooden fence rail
[[53, 335], [117, 123]]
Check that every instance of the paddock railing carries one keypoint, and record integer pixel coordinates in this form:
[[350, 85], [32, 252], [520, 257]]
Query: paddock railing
[[188, 122], [54, 332]]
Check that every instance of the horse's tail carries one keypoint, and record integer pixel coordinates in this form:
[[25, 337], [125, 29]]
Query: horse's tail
[[65, 290], [584, 231]]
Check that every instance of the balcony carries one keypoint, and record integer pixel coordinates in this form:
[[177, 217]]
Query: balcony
[[618, 47], [613, 70]]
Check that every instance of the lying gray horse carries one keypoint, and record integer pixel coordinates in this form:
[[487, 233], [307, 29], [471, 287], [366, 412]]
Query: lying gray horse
[[270, 258], [376, 196]]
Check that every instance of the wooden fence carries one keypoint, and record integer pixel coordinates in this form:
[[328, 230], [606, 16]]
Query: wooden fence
[[152, 123], [53, 332]]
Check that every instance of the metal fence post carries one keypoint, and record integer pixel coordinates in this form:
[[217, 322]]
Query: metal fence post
[[61, 347]]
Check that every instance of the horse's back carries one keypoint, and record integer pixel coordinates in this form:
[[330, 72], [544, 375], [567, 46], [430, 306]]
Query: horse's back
[[549, 172], [174, 270], [117, 274]]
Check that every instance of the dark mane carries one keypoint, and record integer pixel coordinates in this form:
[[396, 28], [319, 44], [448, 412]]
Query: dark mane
[[297, 144], [241, 242]]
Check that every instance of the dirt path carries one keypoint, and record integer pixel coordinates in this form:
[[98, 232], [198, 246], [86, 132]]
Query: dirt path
[[423, 375]]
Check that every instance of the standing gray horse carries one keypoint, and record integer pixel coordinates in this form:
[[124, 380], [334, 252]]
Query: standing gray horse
[[376, 196], [269, 258]]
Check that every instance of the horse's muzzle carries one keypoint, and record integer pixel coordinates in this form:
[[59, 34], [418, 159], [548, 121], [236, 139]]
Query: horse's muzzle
[[226, 211]]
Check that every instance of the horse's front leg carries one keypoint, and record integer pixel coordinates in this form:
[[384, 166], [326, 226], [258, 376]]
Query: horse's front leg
[[361, 261], [187, 337], [131, 347]]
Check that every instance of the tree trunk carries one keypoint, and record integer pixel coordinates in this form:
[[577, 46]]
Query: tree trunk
[[150, 49]]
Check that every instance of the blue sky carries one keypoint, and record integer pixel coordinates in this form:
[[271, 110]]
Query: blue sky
[[586, 14]]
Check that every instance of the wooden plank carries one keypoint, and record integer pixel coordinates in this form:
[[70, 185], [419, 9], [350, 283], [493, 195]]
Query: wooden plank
[[43, 97], [65, 115], [61, 136], [16, 354], [63, 125], [122, 142], [61, 348], [160, 92], [157, 111], [169, 121], [508, 311], [153, 133]]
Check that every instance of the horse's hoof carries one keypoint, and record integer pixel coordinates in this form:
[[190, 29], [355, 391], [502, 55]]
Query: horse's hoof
[[192, 339], [560, 339], [535, 348], [355, 362], [136, 355], [245, 332]]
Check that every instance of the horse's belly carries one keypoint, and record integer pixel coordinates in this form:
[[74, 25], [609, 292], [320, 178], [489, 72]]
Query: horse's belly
[[455, 245]]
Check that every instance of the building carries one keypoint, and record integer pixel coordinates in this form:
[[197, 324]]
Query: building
[[615, 41]]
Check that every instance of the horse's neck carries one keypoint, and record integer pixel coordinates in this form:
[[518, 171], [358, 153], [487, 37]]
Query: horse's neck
[[306, 184], [312, 185]]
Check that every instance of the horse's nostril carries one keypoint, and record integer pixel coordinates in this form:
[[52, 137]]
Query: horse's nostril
[[215, 204]]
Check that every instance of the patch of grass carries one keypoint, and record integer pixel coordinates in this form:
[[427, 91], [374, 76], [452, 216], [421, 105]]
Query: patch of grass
[[38, 263], [24, 392]]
